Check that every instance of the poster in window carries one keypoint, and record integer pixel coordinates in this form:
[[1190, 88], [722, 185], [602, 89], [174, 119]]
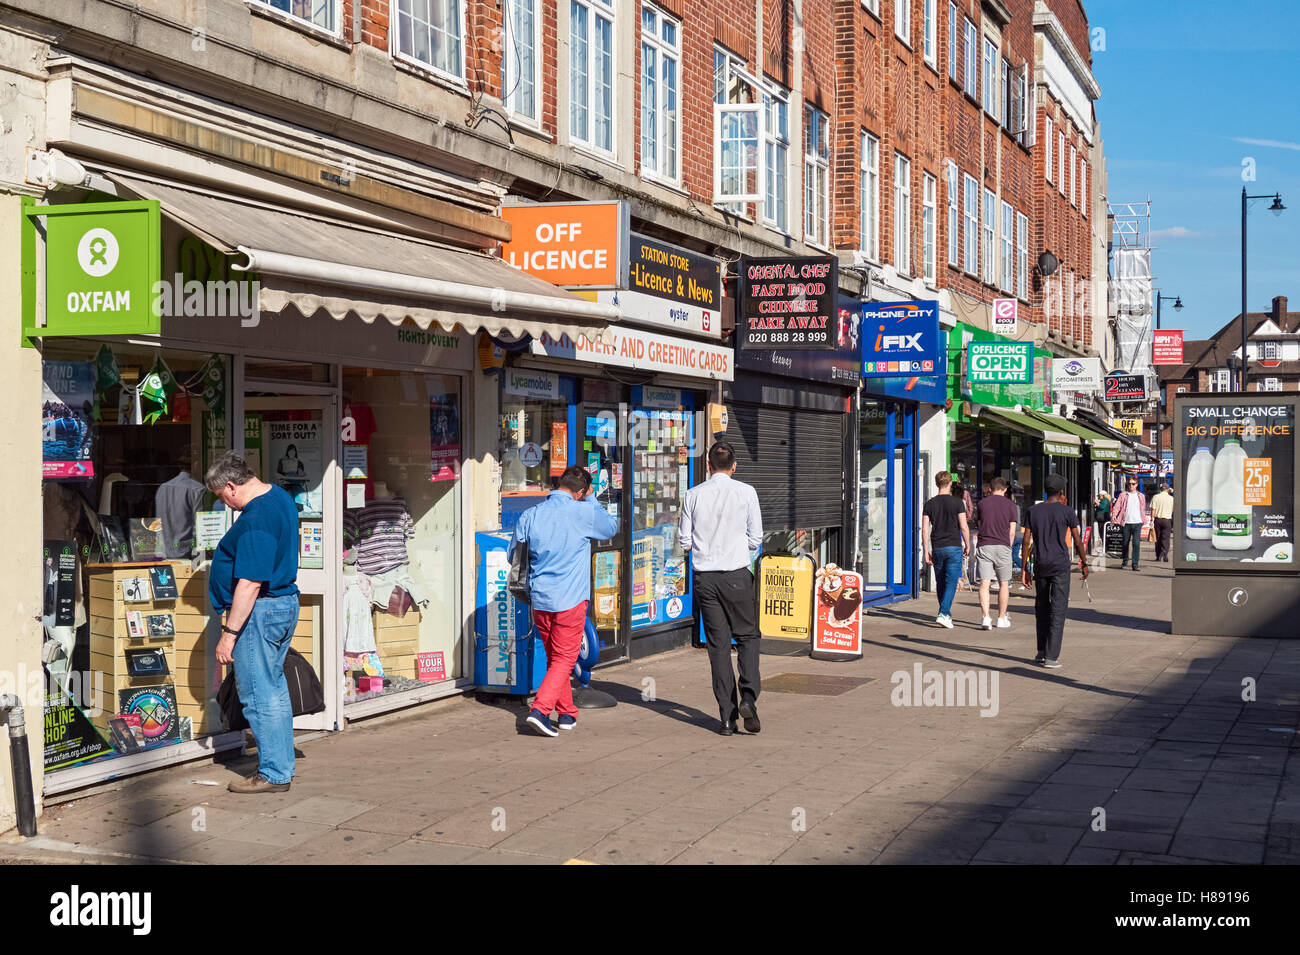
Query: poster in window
[[59, 583], [67, 419], [156, 707], [444, 437], [70, 737], [293, 455]]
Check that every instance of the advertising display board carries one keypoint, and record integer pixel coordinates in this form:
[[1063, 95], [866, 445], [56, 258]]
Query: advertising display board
[[1077, 375], [570, 244], [788, 303], [1125, 388], [837, 615], [1167, 346], [785, 591], [901, 338]]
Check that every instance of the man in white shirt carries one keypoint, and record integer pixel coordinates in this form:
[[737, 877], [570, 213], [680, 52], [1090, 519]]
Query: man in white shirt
[[722, 528]]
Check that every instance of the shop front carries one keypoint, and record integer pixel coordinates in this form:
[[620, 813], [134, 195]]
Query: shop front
[[179, 323]]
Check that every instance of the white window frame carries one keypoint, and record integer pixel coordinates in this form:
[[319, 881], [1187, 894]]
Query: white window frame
[[510, 71], [952, 41], [903, 21], [816, 166], [930, 32], [1048, 139], [902, 213], [988, 238], [335, 8], [776, 155], [1008, 248], [991, 64], [869, 198], [1025, 132], [1272, 384], [971, 53], [1022, 256], [872, 7], [1268, 351], [1083, 187], [1060, 160], [663, 51], [395, 36], [734, 73], [596, 10], [929, 227], [721, 113], [970, 208], [954, 214], [1074, 176]]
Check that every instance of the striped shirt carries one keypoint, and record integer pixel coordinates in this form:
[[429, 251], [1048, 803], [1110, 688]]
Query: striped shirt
[[379, 531]]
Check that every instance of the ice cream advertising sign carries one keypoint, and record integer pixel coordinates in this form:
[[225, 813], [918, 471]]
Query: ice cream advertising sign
[[1236, 472], [837, 614]]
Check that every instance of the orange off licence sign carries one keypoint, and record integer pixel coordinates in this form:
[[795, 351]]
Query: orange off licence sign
[[573, 245]]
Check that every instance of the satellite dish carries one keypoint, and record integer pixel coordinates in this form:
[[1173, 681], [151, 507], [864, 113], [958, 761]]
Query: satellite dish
[[1047, 264]]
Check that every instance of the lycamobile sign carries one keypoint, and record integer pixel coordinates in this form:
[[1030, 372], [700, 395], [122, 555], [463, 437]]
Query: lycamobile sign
[[1000, 362]]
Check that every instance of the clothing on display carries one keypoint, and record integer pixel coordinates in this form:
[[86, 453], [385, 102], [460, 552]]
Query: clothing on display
[[175, 503], [358, 628], [379, 532], [399, 577]]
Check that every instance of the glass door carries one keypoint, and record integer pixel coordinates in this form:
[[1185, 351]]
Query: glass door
[[602, 455], [887, 500], [293, 442]]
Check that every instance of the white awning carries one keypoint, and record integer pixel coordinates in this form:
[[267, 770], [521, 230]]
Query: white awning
[[315, 264]]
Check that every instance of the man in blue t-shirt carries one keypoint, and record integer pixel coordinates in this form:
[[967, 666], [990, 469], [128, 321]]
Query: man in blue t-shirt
[[253, 582]]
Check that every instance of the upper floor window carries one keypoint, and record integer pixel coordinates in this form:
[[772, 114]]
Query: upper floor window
[[971, 224], [1272, 384], [1022, 256], [319, 13], [990, 232], [591, 73], [872, 5], [929, 212], [430, 32], [954, 222], [869, 241], [1074, 177], [970, 52], [991, 63], [902, 214], [660, 95], [1060, 160], [1083, 187], [952, 40], [776, 155], [1047, 147], [738, 134], [903, 20], [519, 62], [1269, 350], [1021, 123], [1008, 253], [930, 32], [817, 176]]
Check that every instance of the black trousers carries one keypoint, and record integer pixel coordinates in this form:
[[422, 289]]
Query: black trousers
[[1164, 530], [1051, 599], [726, 602]]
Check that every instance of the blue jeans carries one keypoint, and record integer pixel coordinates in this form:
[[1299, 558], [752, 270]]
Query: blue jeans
[[1133, 532], [259, 677], [947, 571]]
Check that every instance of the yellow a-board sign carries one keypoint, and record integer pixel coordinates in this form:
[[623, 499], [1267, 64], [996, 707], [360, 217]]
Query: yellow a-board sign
[[785, 596]]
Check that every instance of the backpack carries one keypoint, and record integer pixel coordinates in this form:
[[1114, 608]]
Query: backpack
[[517, 578], [305, 694]]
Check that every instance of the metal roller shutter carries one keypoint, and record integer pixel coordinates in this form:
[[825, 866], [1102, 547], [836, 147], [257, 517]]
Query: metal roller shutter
[[795, 461]]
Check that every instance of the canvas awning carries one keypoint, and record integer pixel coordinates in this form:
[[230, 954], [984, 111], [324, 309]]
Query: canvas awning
[[1100, 447], [315, 264], [1058, 442]]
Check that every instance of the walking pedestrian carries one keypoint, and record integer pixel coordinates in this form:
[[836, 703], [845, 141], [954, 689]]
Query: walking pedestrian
[[1130, 509], [997, 516], [1053, 528], [946, 536], [559, 532], [1101, 517], [722, 528], [253, 581], [1162, 516], [966, 580]]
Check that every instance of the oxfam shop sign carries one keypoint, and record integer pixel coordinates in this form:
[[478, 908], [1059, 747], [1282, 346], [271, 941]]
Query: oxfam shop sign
[[99, 262]]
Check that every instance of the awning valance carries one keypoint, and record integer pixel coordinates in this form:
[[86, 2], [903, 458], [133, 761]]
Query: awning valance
[[1100, 448], [1056, 442], [316, 264]]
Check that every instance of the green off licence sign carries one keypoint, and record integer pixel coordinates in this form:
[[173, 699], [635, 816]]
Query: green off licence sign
[[1010, 363]]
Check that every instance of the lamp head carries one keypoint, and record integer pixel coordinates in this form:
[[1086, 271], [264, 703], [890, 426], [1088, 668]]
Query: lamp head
[[1178, 304], [1277, 208]]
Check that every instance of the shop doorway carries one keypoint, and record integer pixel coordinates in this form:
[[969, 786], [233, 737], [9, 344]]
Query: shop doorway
[[602, 454], [887, 501], [292, 441]]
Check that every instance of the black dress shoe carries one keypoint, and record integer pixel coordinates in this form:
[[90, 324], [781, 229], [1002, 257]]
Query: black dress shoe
[[728, 728], [750, 715]]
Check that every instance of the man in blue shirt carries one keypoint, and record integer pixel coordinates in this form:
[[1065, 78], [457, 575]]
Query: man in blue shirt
[[253, 581], [559, 532]]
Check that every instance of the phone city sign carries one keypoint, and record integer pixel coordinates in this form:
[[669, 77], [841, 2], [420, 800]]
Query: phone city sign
[[900, 338]]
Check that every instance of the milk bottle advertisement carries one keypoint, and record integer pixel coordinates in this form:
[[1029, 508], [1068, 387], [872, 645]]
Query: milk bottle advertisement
[[1237, 490]]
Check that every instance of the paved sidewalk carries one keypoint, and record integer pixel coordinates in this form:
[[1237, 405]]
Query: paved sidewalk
[[1140, 749]]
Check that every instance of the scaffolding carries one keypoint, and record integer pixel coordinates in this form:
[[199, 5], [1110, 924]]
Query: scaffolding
[[1131, 294]]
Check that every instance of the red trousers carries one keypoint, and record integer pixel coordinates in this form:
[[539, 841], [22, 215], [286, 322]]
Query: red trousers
[[561, 633]]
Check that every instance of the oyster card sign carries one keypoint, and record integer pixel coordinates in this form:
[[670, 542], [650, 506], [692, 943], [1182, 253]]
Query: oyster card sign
[[787, 303]]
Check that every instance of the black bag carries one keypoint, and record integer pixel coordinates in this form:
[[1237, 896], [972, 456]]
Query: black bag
[[305, 695], [517, 578]]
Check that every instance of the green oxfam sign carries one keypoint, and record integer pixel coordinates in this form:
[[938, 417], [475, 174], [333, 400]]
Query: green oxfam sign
[[1000, 362], [101, 261]]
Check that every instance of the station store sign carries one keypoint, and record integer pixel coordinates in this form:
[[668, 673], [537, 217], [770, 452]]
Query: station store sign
[[101, 263], [1120, 387], [572, 245], [1080, 375], [1000, 362], [1167, 346], [644, 350], [670, 287], [901, 338], [788, 303]]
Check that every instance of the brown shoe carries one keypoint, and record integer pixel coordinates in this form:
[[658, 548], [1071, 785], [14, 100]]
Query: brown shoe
[[257, 784]]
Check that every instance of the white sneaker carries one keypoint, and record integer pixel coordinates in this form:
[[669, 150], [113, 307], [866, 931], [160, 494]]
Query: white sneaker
[[987, 623], [1004, 622], [944, 620]]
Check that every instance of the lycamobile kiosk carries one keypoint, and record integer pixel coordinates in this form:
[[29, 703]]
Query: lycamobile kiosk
[[1235, 565]]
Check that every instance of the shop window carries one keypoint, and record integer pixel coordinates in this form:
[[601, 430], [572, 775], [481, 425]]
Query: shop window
[[591, 74], [127, 432], [534, 446], [401, 458]]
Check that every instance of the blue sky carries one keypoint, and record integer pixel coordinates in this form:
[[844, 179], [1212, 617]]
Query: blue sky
[[1189, 90]]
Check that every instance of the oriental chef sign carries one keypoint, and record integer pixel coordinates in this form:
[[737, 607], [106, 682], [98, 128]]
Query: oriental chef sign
[[788, 303]]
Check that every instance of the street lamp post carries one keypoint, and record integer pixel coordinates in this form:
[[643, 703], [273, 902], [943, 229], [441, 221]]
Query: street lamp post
[[1277, 209], [1160, 418]]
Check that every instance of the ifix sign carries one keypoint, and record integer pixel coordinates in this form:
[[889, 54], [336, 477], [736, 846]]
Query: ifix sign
[[1167, 346], [574, 245], [1000, 362], [900, 338]]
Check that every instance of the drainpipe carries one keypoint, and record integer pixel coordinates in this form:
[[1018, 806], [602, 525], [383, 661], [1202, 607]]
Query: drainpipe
[[20, 757]]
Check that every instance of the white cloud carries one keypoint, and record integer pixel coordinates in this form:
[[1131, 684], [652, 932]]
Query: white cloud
[[1271, 143], [1179, 232]]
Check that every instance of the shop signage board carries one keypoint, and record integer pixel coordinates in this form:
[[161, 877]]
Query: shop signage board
[[1167, 346], [643, 350], [837, 615], [101, 262], [785, 591], [841, 363], [900, 338], [1003, 316], [1000, 362], [529, 383], [788, 303], [1035, 395], [1129, 426], [671, 287], [569, 244], [1123, 387], [1080, 375]]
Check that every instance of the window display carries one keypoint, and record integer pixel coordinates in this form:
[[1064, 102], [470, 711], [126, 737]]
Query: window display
[[400, 617]]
